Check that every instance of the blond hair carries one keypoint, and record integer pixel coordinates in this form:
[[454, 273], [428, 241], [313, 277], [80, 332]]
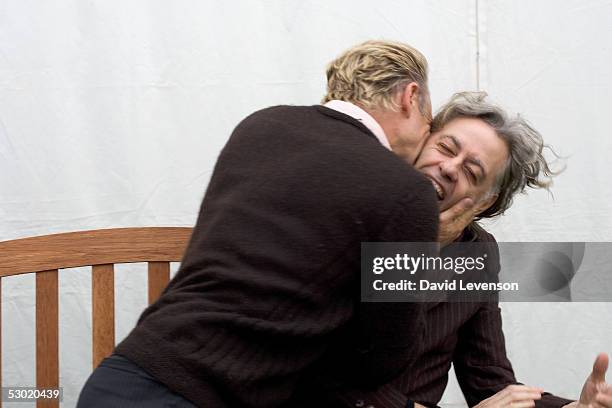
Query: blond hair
[[372, 73]]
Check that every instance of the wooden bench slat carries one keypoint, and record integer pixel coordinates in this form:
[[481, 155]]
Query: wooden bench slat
[[47, 334], [101, 249], [103, 312], [0, 337], [88, 248], [159, 276]]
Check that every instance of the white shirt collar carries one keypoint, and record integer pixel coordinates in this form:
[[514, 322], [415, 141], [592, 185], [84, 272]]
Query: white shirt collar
[[361, 115]]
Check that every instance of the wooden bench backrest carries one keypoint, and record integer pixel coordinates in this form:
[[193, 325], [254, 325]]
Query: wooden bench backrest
[[100, 249]]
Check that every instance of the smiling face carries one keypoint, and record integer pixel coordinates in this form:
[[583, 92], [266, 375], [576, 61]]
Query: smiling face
[[463, 159]]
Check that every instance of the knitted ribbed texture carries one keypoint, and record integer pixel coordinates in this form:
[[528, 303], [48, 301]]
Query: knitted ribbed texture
[[270, 279]]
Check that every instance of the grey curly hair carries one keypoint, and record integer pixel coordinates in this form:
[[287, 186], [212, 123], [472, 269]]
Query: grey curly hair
[[525, 166]]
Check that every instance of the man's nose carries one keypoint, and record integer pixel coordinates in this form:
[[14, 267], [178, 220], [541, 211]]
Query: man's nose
[[449, 169]]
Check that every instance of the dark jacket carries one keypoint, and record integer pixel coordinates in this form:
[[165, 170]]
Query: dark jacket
[[266, 295], [467, 334]]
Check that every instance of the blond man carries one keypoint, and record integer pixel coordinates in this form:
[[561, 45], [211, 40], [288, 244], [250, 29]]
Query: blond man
[[264, 310]]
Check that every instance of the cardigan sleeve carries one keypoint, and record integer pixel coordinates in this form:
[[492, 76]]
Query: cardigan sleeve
[[390, 333]]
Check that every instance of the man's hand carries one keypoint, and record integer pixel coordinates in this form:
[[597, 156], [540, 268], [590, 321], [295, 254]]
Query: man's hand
[[596, 393], [454, 220], [513, 396]]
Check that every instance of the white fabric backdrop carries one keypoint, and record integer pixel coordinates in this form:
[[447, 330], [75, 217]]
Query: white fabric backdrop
[[112, 114]]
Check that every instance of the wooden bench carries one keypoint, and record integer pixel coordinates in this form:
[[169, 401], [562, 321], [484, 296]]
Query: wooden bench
[[100, 249]]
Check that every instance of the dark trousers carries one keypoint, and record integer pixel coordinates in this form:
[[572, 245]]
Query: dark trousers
[[119, 383]]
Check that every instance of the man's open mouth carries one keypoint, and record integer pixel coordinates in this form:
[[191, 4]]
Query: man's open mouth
[[438, 188]]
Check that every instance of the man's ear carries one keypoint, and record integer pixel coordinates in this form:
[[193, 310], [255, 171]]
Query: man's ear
[[410, 98], [486, 203]]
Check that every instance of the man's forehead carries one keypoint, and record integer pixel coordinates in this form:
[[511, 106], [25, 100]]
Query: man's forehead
[[474, 135]]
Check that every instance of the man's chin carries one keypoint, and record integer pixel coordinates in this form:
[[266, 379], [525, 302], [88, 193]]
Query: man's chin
[[443, 205]]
